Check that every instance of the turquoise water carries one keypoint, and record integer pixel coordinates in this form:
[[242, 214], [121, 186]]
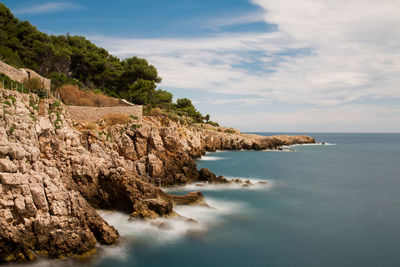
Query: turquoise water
[[326, 205]]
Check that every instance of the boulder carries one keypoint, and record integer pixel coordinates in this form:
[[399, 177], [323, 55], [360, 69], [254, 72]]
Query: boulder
[[192, 198]]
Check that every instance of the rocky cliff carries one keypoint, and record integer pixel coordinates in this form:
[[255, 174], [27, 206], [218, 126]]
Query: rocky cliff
[[55, 173]]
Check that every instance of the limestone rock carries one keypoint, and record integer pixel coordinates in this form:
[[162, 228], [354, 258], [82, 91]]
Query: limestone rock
[[7, 165], [52, 180]]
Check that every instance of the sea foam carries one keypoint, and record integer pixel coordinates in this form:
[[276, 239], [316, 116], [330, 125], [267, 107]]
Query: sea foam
[[210, 158], [159, 231], [255, 184], [315, 144]]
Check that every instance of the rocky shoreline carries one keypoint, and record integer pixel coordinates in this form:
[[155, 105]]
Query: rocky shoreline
[[55, 173]]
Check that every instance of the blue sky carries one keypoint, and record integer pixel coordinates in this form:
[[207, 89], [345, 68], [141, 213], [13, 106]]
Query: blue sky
[[257, 65]]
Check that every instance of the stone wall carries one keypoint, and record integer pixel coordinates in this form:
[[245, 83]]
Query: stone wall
[[19, 75], [92, 114]]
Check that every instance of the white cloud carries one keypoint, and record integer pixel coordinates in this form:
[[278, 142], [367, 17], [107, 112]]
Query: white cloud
[[242, 102], [324, 53], [47, 8]]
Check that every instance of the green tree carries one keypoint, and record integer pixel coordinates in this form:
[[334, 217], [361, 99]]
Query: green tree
[[185, 107], [75, 60]]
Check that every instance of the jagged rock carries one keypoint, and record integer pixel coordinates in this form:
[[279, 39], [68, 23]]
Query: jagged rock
[[155, 166], [39, 196], [206, 175], [52, 180], [7, 165]]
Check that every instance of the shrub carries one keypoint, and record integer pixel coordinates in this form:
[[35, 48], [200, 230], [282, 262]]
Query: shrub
[[213, 123], [230, 130], [56, 104], [116, 118], [155, 112], [162, 113], [136, 126], [134, 117], [13, 100], [72, 95], [34, 85]]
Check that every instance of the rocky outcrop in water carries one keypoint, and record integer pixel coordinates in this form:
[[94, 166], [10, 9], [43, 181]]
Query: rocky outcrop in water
[[165, 150], [55, 173]]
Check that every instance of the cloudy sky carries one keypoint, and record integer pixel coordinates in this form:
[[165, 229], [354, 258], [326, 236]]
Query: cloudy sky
[[257, 65]]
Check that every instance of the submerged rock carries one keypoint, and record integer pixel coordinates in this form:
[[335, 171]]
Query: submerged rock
[[192, 198]]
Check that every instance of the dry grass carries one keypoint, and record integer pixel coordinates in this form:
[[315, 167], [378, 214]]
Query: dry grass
[[157, 112], [34, 84], [90, 126], [231, 130], [116, 118], [217, 128], [72, 95]]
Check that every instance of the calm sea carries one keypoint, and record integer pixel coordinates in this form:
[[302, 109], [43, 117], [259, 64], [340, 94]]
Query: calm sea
[[324, 205]]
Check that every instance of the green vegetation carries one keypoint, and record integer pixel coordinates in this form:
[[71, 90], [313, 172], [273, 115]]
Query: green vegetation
[[56, 104], [5, 112], [13, 100], [11, 131], [34, 104], [34, 85], [136, 126], [58, 122], [33, 117], [7, 83], [75, 60], [134, 117], [7, 103], [184, 107]]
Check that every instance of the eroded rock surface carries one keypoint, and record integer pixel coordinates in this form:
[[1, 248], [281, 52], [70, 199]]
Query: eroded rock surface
[[54, 173]]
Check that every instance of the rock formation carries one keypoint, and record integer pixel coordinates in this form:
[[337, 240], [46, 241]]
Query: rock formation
[[55, 173]]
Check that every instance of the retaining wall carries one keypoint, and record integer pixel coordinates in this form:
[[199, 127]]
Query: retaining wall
[[19, 75], [93, 114]]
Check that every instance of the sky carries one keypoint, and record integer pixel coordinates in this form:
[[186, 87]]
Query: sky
[[256, 65]]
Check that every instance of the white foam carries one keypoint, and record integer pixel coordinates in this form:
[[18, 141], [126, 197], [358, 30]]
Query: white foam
[[166, 230], [211, 158], [314, 144], [216, 151], [256, 184], [119, 251], [285, 149]]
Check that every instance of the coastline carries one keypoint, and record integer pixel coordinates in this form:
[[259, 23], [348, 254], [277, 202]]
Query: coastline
[[55, 177]]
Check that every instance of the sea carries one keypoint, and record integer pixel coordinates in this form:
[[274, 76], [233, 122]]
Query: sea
[[331, 204]]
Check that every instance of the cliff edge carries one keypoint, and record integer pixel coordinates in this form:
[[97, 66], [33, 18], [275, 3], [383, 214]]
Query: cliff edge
[[55, 173]]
